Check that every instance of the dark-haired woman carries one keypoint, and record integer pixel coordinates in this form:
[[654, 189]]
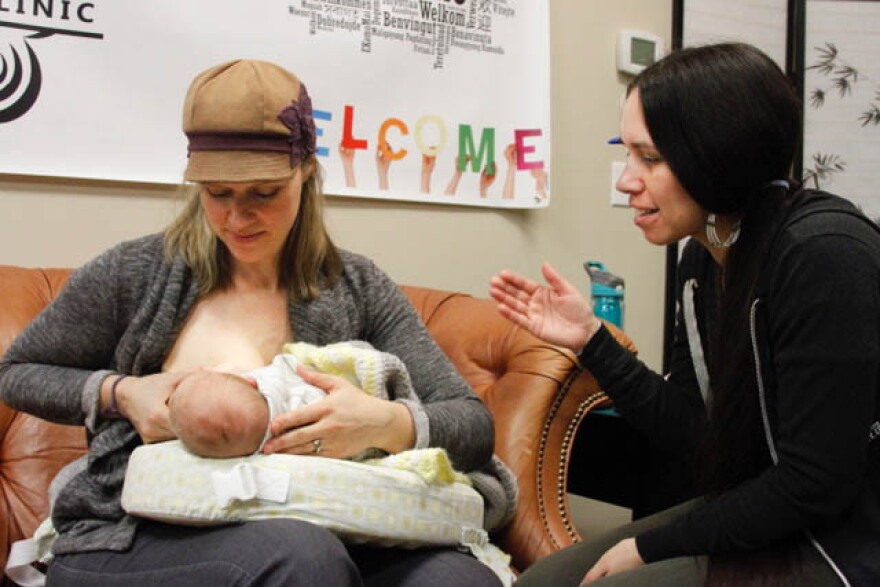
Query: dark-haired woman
[[774, 386]]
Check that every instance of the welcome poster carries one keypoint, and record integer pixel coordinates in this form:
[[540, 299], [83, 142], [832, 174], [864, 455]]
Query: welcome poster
[[441, 101]]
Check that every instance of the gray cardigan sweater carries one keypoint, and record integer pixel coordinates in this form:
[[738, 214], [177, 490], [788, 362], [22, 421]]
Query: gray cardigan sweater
[[122, 312]]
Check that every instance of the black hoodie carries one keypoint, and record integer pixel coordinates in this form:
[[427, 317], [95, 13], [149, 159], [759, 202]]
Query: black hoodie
[[815, 327]]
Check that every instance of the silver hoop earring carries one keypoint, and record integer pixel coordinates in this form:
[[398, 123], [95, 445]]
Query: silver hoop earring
[[713, 236]]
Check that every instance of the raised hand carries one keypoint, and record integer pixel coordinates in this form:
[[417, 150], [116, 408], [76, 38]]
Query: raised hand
[[487, 178], [383, 162], [555, 312], [510, 175], [347, 156], [428, 164], [540, 177], [452, 187]]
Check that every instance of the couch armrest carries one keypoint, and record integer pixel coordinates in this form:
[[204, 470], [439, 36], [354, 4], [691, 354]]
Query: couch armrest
[[538, 396], [31, 450]]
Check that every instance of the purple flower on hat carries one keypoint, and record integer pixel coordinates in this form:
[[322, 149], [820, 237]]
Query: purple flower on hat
[[298, 118]]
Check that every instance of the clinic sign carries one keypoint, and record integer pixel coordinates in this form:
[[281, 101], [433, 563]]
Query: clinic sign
[[438, 101]]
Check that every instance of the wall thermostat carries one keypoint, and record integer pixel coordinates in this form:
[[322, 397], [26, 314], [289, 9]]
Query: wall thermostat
[[636, 50]]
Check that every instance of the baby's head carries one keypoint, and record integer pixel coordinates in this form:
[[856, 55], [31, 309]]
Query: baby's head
[[218, 414]]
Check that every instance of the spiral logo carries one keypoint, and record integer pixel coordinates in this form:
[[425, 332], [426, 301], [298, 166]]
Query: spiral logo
[[20, 82], [21, 76]]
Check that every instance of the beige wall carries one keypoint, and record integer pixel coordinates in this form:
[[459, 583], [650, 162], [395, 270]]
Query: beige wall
[[64, 223]]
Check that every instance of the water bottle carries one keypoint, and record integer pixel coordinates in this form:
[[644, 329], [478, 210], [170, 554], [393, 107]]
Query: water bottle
[[606, 291]]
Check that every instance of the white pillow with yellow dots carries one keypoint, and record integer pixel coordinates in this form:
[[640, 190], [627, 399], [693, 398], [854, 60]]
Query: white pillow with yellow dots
[[407, 500]]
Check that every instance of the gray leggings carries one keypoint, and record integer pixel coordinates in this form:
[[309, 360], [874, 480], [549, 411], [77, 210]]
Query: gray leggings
[[567, 567], [267, 553]]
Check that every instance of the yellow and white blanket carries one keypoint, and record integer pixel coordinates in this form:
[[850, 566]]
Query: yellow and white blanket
[[381, 375]]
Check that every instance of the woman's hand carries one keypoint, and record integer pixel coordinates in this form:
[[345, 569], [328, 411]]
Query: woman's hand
[[555, 312], [623, 556], [346, 422], [540, 177], [428, 164], [346, 155], [456, 175], [144, 401], [384, 156], [487, 178]]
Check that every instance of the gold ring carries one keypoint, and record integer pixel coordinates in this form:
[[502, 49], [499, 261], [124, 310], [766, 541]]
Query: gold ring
[[316, 446]]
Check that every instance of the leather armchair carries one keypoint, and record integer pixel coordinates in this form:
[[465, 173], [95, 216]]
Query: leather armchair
[[536, 392]]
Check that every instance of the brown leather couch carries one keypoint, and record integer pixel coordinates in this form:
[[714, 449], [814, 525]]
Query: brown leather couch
[[536, 392]]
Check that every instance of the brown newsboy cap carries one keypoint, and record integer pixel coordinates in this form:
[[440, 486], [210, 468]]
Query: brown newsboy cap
[[247, 120]]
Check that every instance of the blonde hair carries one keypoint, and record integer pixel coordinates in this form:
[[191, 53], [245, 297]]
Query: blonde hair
[[309, 259]]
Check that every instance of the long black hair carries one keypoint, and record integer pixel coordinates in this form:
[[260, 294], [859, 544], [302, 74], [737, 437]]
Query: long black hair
[[727, 121]]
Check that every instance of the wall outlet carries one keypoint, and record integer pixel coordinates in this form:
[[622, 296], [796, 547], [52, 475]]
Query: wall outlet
[[618, 199]]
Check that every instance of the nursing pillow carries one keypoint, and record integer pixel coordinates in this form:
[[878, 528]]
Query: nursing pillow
[[408, 500]]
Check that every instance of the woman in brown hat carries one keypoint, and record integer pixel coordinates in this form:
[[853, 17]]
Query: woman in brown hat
[[245, 267]]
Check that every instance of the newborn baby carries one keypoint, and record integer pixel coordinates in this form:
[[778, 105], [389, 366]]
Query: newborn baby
[[222, 415]]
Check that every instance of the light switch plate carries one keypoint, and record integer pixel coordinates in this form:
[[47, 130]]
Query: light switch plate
[[618, 199]]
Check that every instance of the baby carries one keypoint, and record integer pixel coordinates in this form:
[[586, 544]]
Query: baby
[[222, 415]]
